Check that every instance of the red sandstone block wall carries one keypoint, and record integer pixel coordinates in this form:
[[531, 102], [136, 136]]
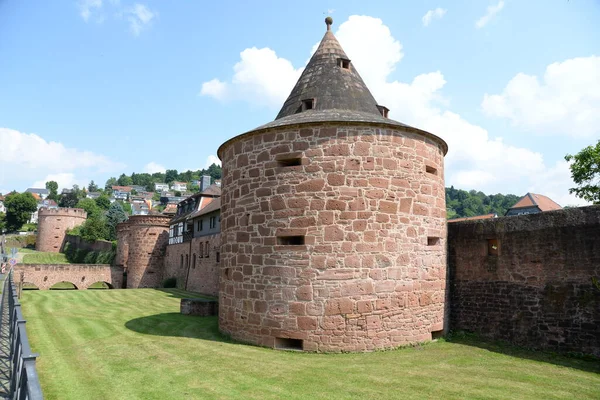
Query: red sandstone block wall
[[53, 225], [537, 291], [82, 276], [370, 204], [194, 269]]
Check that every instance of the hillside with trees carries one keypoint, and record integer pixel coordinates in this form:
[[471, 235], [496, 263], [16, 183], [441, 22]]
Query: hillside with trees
[[171, 175], [460, 203]]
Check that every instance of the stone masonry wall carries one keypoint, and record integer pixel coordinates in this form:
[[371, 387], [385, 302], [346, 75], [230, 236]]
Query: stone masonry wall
[[201, 276], [537, 291], [122, 244], [44, 276], [147, 238], [345, 250], [53, 224]]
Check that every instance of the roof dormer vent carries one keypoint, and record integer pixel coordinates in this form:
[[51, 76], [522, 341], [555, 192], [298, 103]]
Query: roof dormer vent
[[344, 63], [383, 110], [308, 104]]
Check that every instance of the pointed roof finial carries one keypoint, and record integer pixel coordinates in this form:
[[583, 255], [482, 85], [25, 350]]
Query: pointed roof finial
[[328, 22]]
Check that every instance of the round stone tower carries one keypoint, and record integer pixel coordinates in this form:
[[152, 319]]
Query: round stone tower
[[122, 244], [53, 224], [147, 237], [333, 221]]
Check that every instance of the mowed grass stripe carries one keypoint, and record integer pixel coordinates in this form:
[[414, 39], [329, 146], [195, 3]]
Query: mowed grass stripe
[[134, 344]]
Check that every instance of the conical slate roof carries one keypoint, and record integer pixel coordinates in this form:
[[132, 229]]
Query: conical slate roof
[[330, 84]]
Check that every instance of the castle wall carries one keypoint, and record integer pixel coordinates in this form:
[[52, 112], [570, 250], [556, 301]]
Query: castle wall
[[122, 244], [44, 276], [53, 225], [345, 251], [537, 291], [201, 276], [147, 238]]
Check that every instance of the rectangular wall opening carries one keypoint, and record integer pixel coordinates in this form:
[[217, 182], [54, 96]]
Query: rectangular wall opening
[[437, 335], [289, 344], [430, 170], [493, 247], [433, 241], [308, 104], [290, 240], [290, 162]]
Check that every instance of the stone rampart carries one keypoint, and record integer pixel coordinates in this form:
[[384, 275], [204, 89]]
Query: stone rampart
[[528, 279], [82, 276]]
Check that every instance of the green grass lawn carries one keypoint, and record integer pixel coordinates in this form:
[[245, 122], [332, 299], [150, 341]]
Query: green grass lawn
[[134, 344], [39, 257]]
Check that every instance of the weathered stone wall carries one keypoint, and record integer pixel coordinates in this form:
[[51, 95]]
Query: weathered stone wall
[[369, 204], [199, 307], [122, 244], [537, 291], [53, 224], [147, 238], [80, 243], [201, 276], [82, 276]]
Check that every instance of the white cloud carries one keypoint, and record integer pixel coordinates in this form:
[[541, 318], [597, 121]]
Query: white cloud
[[87, 7], [25, 157], [566, 102], [139, 17], [64, 180], [260, 77], [153, 167], [438, 13], [475, 160], [490, 13], [212, 159]]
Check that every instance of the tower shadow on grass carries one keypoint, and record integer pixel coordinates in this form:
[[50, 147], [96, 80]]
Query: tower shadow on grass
[[583, 363], [179, 325]]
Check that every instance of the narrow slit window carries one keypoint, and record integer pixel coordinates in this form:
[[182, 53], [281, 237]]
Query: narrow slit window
[[290, 162], [493, 247], [289, 344], [430, 170], [218, 256], [433, 241], [290, 240], [308, 104]]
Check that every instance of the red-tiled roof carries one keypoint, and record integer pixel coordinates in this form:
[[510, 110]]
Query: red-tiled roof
[[486, 216], [531, 199], [122, 188]]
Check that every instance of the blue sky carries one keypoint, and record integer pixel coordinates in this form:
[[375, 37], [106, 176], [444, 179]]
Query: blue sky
[[91, 89]]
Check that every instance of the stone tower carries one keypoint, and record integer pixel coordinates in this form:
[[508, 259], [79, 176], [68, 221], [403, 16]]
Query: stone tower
[[333, 221], [53, 224]]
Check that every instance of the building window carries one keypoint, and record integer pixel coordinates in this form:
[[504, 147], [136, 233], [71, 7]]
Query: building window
[[430, 170], [290, 162], [187, 260], [181, 262], [218, 257], [383, 110], [344, 63], [308, 104], [199, 225], [290, 240], [194, 261], [213, 222], [493, 247], [433, 241], [206, 250], [201, 250]]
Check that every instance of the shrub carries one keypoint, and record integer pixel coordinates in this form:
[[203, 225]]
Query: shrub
[[170, 283]]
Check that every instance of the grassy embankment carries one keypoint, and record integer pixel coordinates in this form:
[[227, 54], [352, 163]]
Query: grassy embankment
[[134, 344]]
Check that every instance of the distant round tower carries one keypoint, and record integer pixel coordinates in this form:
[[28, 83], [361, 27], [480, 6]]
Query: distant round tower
[[122, 244], [333, 221], [53, 224], [147, 237]]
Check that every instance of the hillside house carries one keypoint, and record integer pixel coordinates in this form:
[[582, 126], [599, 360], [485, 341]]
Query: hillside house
[[191, 215], [121, 192], [179, 186], [161, 187], [42, 193], [533, 203]]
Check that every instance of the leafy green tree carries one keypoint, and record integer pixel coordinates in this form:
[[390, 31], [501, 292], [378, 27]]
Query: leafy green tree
[[158, 177], [52, 186], [177, 193], [112, 181], [585, 171], [2, 221], [90, 206], [95, 228], [125, 180], [214, 171], [92, 187], [156, 196], [19, 207], [127, 208], [103, 202], [114, 216], [171, 175]]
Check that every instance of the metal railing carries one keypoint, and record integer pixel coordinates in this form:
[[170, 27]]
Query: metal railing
[[24, 381]]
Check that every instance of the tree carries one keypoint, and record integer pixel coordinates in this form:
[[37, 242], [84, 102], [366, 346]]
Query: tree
[[125, 180], [52, 186], [170, 175], [585, 171], [92, 187], [177, 193], [112, 181], [94, 228], [103, 202], [90, 206], [2, 221], [19, 207], [114, 216]]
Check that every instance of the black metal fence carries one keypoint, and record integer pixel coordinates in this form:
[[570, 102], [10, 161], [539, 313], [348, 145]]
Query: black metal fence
[[24, 382]]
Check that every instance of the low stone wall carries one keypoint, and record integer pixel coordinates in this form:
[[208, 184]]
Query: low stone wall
[[44, 276], [199, 307], [79, 243], [528, 279]]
